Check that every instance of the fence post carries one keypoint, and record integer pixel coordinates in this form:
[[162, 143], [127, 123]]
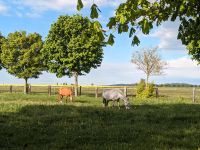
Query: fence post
[[29, 88], [193, 93], [49, 90], [73, 90], [125, 91], [54, 90], [80, 90], [157, 93], [96, 92], [11, 88]]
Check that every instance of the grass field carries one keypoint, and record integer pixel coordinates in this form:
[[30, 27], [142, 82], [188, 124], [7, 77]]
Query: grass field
[[37, 122]]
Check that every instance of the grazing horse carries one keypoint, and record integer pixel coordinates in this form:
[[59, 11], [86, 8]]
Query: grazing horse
[[114, 95], [65, 92]]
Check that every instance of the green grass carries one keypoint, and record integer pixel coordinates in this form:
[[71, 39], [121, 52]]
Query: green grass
[[38, 122]]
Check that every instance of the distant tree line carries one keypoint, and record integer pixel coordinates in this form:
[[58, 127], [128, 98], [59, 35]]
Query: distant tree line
[[162, 85], [177, 85]]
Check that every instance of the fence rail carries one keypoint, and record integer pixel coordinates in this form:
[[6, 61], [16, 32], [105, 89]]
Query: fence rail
[[96, 91]]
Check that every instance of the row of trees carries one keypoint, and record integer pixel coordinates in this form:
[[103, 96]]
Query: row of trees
[[72, 48]]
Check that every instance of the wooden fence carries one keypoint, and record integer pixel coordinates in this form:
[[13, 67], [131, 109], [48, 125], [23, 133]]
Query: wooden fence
[[96, 91], [53, 89]]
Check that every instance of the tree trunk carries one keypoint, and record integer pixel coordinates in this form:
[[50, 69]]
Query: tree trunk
[[26, 86], [147, 81], [76, 84]]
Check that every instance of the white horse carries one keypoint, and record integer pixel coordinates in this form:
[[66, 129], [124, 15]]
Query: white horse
[[114, 95]]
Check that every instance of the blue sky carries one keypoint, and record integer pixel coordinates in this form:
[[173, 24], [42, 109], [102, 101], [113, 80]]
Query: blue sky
[[37, 16]]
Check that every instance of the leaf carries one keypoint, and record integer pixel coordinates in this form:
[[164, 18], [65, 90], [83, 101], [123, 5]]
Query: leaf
[[101, 36], [79, 5], [145, 27], [182, 8], [140, 2], [125, 28], [135, 41], [111, 23], [131, 32], [111, 39], [122, 19], [97, 26], [173, 18], [94, 11]]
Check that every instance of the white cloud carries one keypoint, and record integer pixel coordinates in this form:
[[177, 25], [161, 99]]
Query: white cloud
[[113, 73], [37, 7], [183, 68], [167, 34], [3, 8]]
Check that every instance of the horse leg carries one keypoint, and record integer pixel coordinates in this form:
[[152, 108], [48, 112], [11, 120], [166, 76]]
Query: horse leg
[[66, 99], [118, 103], [61, 97], [113, 103], [71, 98], [104, 102], [107, 102], [58, 98]]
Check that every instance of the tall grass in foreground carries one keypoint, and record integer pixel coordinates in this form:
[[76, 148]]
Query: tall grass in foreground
[[38, 122]]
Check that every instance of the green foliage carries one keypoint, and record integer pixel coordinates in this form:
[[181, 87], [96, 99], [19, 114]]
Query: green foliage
[[111, 39], [73, 46], [94, 11], [143, 14], [140, 87], [1, 42], [149, 91], [79, 5], [194, 50], [143, 91], [21, 54]]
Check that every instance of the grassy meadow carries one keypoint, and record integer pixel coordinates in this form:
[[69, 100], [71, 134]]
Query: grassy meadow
[[37, 121]]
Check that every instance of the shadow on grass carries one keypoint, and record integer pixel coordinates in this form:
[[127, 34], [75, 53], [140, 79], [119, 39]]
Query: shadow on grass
[[70, 127]]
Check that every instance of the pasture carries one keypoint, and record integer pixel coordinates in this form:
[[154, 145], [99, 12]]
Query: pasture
[[36, 121]]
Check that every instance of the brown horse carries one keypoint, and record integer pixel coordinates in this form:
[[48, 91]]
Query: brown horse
[[68, 92]]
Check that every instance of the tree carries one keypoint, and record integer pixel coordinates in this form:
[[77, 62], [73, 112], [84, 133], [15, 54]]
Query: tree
[[21, 55], [134, 15], [194, 50], [149, 62], [1, 41], [73, 47]]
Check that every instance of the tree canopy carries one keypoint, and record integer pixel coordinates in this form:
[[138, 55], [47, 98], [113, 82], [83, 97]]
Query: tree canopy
[[1, 42], [21, 55], [73, 46], [134, 15]]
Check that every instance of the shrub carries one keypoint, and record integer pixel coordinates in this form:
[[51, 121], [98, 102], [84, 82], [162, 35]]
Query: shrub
[[140, 87], [149, 91], [145, 92]]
